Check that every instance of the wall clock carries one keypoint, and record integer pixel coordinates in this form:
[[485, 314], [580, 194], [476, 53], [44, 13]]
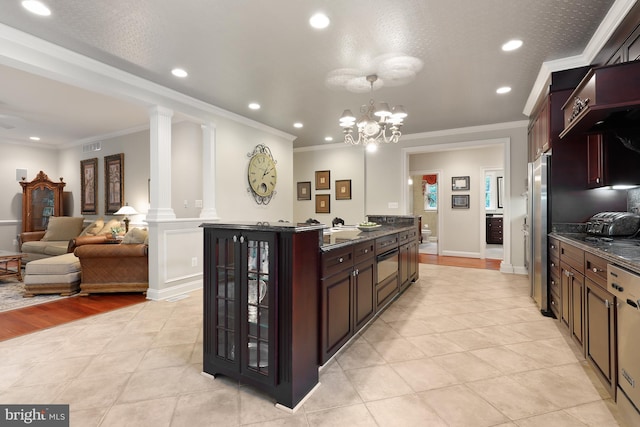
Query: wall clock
[[262, 174]]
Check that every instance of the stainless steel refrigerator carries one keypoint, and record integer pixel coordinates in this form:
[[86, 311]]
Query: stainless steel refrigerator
[[538, 210]]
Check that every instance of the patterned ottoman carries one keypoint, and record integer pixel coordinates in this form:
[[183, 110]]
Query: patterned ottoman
[[55, 275]]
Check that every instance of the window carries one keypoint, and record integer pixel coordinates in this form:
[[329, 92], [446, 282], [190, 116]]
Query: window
[[487, 192], [430, 192]]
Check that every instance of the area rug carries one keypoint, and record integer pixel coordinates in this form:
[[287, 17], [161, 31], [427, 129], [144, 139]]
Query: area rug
[[11, 298]]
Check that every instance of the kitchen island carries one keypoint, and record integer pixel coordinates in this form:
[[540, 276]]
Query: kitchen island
[[273, 291]]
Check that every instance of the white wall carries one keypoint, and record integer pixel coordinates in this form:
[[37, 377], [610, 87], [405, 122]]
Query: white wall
[[343, 162], [461, 232], [34, 158], [386, 171]]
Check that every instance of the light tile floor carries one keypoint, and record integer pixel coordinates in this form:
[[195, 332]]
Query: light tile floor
[[461, 347]]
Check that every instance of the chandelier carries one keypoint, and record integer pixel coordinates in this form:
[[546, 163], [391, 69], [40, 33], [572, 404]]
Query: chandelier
[[378, 123]]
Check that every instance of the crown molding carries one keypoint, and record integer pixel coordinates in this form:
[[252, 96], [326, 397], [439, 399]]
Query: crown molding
[[37, 56], [605, 30]]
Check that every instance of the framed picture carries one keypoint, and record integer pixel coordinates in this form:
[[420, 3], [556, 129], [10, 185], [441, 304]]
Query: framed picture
[[304, 190], [500, 192], [322, 203], [343, 189], [113, 183], [460, 201], [459, 183], [89, 186], [323, 180]]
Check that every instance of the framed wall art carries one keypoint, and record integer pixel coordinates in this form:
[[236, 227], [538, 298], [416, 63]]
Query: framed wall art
[[322, 203], [500, 192], [304, 190], [89, 186], [113, 183], [460, 201], [343, 189], [323, 180], [459, 183]]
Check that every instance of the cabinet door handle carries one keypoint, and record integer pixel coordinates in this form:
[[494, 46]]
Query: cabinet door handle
[[597, 270], [235, 239], [568, 273], [553, 264], [607, 303], [340, 259], [553, 283], [241, 239], [366, 251]]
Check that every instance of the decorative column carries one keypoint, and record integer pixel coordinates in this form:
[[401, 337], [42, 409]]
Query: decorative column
[[209, 172], [160, 150]]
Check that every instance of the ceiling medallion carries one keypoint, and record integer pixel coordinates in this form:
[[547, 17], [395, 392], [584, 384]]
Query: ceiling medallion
[[378, 123]]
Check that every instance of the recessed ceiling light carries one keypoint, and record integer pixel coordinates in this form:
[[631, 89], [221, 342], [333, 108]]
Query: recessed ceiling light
[[372, 148], [254, 106], [179, 72], [34, 138], [36, 7], [297, 125], [319, 21], [511, 45], [328, 138], [503, 90]]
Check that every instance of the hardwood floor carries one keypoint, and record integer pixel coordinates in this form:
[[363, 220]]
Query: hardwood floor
[[487, 264], [34, 318], [22, 321]]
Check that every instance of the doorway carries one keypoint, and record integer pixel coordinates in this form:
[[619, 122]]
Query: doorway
[[424, 204], [494, 213]]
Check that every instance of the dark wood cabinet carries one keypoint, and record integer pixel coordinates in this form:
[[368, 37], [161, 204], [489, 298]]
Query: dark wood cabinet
[[546, 123], [41, 199], [408, 255], [494, 232], [261, 307], [347, 295], [555, 283], [572, 288], [600, 332], [609, 162]]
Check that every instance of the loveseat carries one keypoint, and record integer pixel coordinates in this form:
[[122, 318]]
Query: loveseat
[[115, 267], [57, 238]]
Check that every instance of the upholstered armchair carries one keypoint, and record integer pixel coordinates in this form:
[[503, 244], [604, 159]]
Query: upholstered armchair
[[109, 267]]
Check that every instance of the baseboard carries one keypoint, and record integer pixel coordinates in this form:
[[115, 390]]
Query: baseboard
[[173, 291]]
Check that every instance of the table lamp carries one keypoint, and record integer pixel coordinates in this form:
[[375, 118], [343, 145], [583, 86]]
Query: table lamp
[[126, 210]]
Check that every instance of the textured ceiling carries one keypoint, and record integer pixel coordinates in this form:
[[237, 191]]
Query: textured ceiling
[[246, 50]]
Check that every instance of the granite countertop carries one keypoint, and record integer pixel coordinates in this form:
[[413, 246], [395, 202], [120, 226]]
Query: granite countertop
[[280, 226], [351, 235], [621, 251]]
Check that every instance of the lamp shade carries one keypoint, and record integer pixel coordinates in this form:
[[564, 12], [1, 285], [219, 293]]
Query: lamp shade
[[126, 210]]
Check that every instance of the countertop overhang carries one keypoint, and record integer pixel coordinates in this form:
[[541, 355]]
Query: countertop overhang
[[627, 256]]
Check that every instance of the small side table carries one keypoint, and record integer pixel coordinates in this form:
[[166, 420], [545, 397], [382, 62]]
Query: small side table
[[7, 262]]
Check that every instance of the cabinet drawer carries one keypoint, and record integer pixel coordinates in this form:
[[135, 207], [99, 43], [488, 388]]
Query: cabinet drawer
[[595, 269], [554, 266], [407, 235], [573, 256], [383, 244], [554, 248], [364, 250], [554, 282], [336, 260], [555, 303]]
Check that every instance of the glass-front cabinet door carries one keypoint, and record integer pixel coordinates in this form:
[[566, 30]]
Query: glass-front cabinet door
[[242, 296], [257, 300]]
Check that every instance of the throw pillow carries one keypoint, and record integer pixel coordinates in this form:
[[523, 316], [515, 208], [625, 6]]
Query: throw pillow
[[63, 228], [134, 236], [93, 228], [108, 226]]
